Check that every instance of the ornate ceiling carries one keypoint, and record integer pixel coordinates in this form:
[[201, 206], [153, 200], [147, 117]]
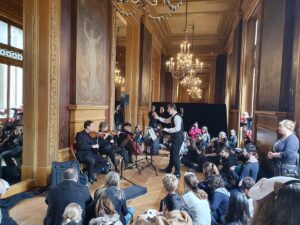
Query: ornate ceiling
[[212, 20]]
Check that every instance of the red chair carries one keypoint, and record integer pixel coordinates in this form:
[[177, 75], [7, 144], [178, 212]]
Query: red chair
[[73, 152]]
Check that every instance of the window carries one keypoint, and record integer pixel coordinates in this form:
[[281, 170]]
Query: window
[[16, 36], [3, 90], [11, 68], [3, 32]]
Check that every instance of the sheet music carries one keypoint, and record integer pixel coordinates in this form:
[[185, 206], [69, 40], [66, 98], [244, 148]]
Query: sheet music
[[152, 134]]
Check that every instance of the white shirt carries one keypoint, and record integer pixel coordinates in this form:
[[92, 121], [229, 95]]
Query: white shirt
[[177, 121]]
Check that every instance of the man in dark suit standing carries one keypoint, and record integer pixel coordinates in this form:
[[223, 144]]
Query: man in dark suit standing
[[68, 191], [176, 131]]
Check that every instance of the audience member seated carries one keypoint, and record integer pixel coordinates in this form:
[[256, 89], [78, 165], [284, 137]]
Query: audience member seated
[[238, 210], [184, 147], [195, 131], [174, 200], [228, 160], [277, 201], [72, 215], [285, 156], [194, 158], [169, 216], [5, 219], [196, 200], [61, 195], [204, 138], [125, 142], [222, 140], [232, 140], [212, 152], [105, 213], [116, 195], [245, 185], [208, 169], [106, 143], [87, 150], [220, 198], [248, 169]]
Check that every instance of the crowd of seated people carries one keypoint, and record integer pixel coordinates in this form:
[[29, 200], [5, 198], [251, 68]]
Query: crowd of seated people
[[11, 147], [229, 194]]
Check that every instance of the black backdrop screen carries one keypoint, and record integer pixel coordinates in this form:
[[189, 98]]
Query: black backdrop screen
[[211, 115]]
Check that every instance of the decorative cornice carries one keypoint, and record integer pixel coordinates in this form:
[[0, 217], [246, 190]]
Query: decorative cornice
[[248, 8], [53, 108]]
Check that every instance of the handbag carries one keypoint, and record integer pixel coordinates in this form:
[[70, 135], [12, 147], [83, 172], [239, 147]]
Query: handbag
[[288, 170]]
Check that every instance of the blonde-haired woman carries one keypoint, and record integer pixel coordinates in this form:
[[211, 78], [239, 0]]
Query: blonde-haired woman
[[72, 214], [285, 150]]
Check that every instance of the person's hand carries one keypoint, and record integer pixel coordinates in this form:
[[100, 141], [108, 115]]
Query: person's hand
[[270, 155], [232, 168], [95, 146], [154, 114], [166, 129]]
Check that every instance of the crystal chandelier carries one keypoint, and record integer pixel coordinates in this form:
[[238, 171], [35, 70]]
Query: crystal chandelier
[[190, 81], [184, 63], [145, 5], [195, 92], [119, 80]]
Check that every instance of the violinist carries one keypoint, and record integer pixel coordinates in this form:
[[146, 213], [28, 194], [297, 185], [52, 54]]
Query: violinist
[[106, 143], [125, 141], [87, 150]]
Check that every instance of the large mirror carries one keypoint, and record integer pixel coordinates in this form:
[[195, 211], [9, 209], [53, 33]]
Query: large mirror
[[120, 70]]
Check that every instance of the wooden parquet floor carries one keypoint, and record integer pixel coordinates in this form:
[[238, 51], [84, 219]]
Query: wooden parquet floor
[[32, 211]]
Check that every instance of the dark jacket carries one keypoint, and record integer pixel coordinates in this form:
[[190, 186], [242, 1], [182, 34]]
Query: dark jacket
[[227, 163], [61, 195], [248, 169], [219, 204], [5, 219], [117, 198], [84, 142]]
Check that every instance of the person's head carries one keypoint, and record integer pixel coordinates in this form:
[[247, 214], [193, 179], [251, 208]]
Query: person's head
[[126, 126], [215, 181], [89, 126], [71, 174], [238, 209], [104, 207], [286, 126], [249, 151], [138, 128], [103, 126], [222, 135], [204, 129], [191, 181], [195, 125], [112, 179], [225, 152], [246, 184], [277, 201], [72, 213], [172, 109], [153, 108], [3, 187], [170, 183], [209, 169], [232, 132], [245, 115]]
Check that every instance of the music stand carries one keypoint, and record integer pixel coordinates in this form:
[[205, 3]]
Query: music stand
[[151, 134], [121, 173]]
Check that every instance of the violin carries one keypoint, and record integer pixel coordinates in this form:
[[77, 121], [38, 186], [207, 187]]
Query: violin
[[100, 134]]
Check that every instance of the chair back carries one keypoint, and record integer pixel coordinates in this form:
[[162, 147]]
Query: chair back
[[73, 150]]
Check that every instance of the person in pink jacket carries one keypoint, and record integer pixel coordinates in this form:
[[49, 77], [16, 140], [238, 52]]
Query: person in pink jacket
[[195, 131]]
